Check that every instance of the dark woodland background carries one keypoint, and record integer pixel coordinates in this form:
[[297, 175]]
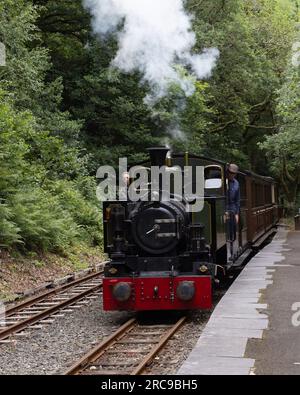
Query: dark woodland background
[[64, 112]]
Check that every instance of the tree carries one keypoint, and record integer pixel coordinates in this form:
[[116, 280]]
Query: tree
[[64, 111], [28, 65], [47, 199], [254, 39], [282, 148]]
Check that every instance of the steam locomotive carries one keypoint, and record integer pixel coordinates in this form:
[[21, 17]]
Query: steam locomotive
[[166, 257]]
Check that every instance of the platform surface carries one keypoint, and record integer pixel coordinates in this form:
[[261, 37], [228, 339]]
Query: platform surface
[[255, 328]]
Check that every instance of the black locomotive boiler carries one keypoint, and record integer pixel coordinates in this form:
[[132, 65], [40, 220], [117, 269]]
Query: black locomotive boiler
[[165, 257]]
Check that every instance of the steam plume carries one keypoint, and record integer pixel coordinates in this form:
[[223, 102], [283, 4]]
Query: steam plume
[[156, 36]]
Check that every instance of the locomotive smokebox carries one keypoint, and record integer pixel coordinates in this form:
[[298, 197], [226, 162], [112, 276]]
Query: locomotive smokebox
[[158, 156]]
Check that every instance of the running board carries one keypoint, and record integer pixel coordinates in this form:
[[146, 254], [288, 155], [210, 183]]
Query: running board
[[240, 261], [257, 245]]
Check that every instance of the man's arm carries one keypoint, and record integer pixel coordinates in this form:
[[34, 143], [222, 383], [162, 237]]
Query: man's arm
[[237, 203]]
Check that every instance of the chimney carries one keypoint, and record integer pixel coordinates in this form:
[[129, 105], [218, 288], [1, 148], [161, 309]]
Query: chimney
[[158, 156]]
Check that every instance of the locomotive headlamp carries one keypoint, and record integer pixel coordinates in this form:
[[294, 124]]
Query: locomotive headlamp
[[186, 290], [122, 292], [203, 269]]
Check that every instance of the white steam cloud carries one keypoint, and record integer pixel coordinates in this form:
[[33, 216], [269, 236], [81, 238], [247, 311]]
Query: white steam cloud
[[157, 35]]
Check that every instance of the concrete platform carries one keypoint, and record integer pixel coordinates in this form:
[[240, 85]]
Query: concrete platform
[[251, 330]]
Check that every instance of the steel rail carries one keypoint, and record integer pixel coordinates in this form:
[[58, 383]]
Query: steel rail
[[27, 322], [149, 357], [95, 354], [100, 349], [32, 301]]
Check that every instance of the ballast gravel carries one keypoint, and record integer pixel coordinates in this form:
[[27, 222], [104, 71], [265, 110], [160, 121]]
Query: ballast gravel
[[54, 348]]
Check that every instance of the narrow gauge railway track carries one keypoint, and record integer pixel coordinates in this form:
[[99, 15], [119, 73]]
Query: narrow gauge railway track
[[127, 351], [42, 310]]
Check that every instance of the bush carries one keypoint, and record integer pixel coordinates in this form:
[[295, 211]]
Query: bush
[[9, 232], [84, 211], [43, 224], [45, 202]]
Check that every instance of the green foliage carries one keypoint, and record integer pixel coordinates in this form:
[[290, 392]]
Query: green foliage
[[227, 120], [85, 212], [254, 38], [282, 148], [9, 232], [42, 221], [28, 64], [117, 122], [64, 111], [42, 208], [46, 200]]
